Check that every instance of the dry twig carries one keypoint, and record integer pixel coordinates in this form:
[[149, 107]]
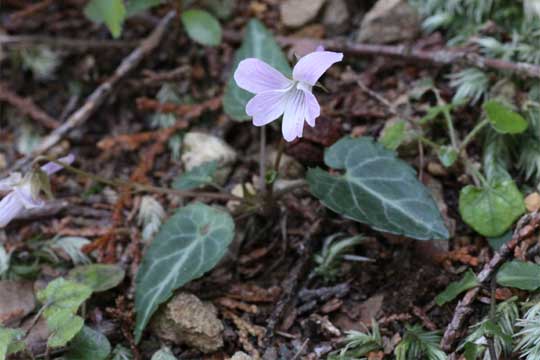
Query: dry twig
[[99, 95], [525, 228], [450, 56]]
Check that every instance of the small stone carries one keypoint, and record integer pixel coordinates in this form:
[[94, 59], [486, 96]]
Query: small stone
[[295, 13], [240, 355], [532, 202], [238, 190], [200, 148], [16, 301], [289, 168], [389, 21], [336, 17], [436, 169], [187, 320]]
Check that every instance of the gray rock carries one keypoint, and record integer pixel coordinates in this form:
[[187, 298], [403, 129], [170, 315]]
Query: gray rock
[[336, 17], [295, 13], [240, 355], [187, 320], [389, 21]]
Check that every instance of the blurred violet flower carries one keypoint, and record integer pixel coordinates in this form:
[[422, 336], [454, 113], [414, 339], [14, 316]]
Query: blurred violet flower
[[276, 95], [23, 193]]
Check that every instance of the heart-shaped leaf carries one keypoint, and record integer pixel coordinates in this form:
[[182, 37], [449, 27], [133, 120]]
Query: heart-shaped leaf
[[258, 43], [377, 189], [202, 27], [61, 299], [519, 274], [188, 245], [492, 209], [503, 119]]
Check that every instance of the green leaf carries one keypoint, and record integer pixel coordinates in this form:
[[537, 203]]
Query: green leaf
[[394, 135], [519, 274], [448, 155], [62, 294], [136, 6], [88, 345], [457, 287], [497, 158], [471, 351], [163, 354], [498, 241], [377, 189], [98, 277], [110, 12], [196, 177], [11, 341], [492, 209], [503, 119], [63, 326], [62, 298], [258, 43], [188, 245], [202, 27]]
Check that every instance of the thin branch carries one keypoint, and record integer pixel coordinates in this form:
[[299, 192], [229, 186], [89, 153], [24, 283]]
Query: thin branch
[[450, 56], [119, 183], [524, 229], [100, 94]]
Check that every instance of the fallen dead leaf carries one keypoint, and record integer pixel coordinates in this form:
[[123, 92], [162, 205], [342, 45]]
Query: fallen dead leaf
[[16, 301]]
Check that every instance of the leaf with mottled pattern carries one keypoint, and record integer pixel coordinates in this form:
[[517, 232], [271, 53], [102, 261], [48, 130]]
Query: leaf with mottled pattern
[[188, 245], [377, 189]]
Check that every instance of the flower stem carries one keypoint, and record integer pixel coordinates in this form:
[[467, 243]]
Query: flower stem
[[143, 187], [281, 147], [451, 129], [262, 161]]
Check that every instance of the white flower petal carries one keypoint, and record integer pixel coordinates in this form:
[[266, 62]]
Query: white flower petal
[[311, 67], [51, 168], [294, 115], [313, 109], [256, 76], [24, 194], [267, 106], [8, 183], [10, 208]]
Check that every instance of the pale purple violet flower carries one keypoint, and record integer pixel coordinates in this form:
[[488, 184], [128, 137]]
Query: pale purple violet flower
[[276, 95], [24, 192]]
